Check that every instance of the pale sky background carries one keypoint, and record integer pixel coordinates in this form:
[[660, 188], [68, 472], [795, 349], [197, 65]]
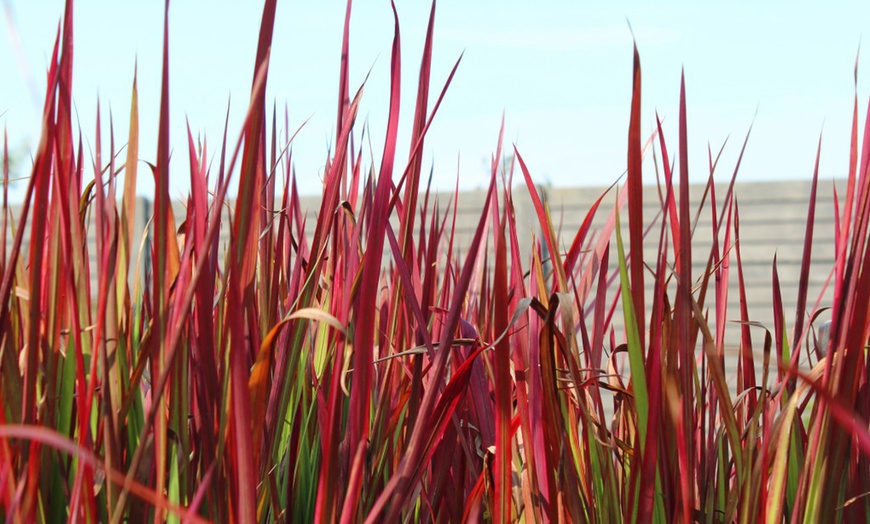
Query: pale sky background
[[560, 71]]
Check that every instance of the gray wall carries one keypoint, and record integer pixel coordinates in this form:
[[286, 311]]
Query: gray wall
[[772, 222]]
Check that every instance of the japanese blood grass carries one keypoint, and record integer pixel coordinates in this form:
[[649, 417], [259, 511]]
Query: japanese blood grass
[[371, 373]]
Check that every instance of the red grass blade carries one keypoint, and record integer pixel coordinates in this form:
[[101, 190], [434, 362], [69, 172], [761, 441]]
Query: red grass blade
[[343, 82], [241, 299], [162, 272], [545, 224], [412, 186], [358, 425], [683, 318], [634, 186], [501, 364]]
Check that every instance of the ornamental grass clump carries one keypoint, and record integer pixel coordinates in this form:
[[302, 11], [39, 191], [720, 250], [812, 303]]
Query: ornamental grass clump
[[383, 369]]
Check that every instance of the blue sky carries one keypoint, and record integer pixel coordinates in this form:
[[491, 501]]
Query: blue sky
[[560, 71]]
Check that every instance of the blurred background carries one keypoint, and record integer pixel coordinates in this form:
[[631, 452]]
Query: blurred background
[[559, 71]]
